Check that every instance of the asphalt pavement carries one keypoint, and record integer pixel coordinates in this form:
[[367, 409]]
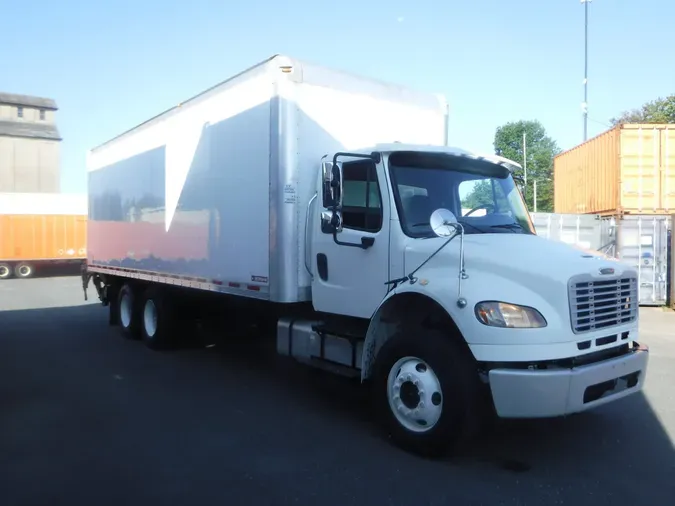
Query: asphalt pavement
[[87, 417]]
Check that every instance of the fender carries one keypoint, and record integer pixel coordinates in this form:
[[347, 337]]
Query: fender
[[408, 302]]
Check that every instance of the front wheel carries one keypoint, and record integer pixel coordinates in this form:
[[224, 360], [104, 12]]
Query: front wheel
[[415, 394], [426, 390]]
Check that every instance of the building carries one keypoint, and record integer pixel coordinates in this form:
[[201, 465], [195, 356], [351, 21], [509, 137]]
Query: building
[[29, 144]]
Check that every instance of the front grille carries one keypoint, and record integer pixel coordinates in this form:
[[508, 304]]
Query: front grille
[[601, 303]]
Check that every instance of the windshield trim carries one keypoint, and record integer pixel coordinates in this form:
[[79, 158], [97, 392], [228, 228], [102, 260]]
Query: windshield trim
[[498, 170]]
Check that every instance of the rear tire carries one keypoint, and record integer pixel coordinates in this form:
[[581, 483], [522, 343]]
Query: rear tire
[[426, 392], [5, 271], [128, 311], [157, 325], [23, 270]]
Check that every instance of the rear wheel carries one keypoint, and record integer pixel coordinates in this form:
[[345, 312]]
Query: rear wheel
[[157, 327], [23, 270], [426, 390], [5, 271], [129, 314]]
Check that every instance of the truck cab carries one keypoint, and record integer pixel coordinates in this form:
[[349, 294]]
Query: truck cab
[[464, 310]]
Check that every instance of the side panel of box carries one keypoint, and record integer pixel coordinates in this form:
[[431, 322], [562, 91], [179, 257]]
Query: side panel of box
[[188, 195]]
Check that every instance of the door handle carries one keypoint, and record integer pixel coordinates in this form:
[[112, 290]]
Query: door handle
[[322, 266]]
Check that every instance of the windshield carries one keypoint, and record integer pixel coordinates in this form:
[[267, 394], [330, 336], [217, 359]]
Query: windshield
[[482, 195]]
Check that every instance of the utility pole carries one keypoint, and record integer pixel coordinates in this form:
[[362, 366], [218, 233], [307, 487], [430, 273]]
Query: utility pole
[[584, 105], [535, 195], [525, 157]]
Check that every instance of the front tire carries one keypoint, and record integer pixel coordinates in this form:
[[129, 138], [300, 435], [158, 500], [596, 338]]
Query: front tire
[[426, 391]]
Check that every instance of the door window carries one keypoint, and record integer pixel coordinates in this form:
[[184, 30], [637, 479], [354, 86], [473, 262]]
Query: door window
[[361, 197]]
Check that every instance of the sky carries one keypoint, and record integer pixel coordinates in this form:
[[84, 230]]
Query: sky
[[110, 65]]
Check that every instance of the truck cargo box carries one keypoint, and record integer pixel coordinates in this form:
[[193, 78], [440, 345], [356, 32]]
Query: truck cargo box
[[628, 169], [214, 192], [40, 228]]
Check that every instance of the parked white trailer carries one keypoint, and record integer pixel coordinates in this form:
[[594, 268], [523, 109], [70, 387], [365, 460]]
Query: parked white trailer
[[330, 206]]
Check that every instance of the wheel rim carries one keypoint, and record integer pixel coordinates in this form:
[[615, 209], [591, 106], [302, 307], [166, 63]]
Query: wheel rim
[[150, 318], [414, 393], [125, 310], [4, 271], [24, 270]]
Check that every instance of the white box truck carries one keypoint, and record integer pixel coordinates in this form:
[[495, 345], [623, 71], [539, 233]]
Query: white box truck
[[329, 206]]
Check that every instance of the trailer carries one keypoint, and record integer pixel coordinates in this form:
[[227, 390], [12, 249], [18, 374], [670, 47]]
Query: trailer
[[39, 230], [329, 209]]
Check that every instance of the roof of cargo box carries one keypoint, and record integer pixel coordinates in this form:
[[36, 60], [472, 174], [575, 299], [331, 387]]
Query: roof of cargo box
[[287, 64], [450, 150]]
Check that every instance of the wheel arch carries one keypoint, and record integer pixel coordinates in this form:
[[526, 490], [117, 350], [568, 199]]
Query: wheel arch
[[405, 309]]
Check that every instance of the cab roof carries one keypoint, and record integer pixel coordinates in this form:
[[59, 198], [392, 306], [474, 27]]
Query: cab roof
[[394, 147]]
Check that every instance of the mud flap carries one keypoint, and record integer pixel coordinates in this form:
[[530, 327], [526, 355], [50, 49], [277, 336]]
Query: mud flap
[[99, 284], [85, 280]]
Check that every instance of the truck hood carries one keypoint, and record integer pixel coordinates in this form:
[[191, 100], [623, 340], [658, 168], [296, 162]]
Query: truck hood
[[527, 259]]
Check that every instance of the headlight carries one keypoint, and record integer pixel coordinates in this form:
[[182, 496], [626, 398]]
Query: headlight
[[502, 314]]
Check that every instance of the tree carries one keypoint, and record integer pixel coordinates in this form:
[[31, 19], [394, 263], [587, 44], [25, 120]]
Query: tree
[[540, 152], [480, 194], [661, 110]]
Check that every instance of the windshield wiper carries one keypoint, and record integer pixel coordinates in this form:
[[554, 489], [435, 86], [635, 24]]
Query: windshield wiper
[[460, 222], [464, 224], [510, 226]]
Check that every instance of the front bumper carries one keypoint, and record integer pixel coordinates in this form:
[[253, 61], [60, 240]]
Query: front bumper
[[519, 393]]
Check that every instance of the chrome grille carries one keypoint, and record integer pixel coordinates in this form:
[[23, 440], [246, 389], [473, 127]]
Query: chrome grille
[[601, 303]]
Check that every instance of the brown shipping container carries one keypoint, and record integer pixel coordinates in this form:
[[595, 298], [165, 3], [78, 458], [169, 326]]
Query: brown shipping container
[[26, 237], [628, 169]]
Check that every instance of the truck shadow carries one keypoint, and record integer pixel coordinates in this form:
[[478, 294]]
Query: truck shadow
[[626, 439], [593, 445]]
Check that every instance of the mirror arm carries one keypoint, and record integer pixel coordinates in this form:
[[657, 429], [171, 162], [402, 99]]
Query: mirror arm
[[393, 284], [374, 156], [411, 276]]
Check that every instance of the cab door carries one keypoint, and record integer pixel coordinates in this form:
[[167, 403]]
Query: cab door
[[349, 276]]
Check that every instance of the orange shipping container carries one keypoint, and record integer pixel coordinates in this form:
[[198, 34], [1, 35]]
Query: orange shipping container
[[40, 229], [628, 169]]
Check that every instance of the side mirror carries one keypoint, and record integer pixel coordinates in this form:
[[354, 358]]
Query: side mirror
[[443, 222], [336, 185], [332, 185], [331, 222], [326, 173]]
